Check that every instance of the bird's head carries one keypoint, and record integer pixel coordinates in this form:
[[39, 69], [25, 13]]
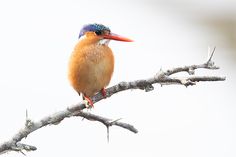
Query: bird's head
[[101, 32]]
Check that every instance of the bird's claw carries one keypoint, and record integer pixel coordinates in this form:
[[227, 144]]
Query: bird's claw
[[104, 92], [88, 102]]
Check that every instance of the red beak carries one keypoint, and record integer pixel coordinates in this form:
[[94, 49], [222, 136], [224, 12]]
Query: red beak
[[113, 36]]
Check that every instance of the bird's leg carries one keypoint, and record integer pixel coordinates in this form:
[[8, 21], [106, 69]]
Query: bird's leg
[[104, 92], [88, 101]]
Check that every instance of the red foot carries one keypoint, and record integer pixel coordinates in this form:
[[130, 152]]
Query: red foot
[[104, 92], [90, 102]]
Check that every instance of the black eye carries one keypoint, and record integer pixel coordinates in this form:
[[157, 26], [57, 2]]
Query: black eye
[[98, 32]]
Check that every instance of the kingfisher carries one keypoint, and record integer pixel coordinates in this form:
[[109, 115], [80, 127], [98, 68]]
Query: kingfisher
[[91, 63]]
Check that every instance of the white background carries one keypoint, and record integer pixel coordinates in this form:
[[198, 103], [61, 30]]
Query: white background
[[37, 37]]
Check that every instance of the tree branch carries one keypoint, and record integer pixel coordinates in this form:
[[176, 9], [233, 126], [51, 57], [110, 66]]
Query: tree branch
[[162, 78]]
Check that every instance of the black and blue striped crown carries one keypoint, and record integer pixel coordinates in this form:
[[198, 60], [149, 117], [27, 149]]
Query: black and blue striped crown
[[97, 28]]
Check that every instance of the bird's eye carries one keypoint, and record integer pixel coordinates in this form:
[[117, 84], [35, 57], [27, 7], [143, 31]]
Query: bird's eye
[[98, 32]]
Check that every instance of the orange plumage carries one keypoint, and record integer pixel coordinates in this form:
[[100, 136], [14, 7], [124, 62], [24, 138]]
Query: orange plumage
[[91, 64]]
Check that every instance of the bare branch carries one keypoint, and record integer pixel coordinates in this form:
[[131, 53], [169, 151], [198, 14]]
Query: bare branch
[[55, 119], [162, 78]]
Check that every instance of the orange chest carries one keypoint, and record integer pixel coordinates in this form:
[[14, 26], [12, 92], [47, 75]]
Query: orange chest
[[94, 54], [91, 67]]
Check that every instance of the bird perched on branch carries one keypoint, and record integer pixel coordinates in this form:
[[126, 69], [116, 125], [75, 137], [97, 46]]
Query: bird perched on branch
[[92, 62]]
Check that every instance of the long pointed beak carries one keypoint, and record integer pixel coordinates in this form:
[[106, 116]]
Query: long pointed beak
[[113, 36]]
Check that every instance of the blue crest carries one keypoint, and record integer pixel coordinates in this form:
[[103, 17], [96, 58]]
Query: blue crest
[[97, 28]]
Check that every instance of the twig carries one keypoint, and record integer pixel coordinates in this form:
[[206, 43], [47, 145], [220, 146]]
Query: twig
[[162, 78], [106, 121]]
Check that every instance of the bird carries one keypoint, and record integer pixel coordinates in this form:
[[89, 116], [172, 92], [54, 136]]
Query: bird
[[91, 63]]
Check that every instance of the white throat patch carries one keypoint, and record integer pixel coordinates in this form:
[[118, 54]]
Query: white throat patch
[[104, 41]]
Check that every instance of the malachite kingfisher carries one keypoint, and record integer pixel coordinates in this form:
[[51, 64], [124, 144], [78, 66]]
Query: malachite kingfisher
[[91, 63]]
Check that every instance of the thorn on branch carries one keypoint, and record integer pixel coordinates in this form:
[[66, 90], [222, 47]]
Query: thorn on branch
[[28, 123], [108, 133], [210, 54], [21, 151], [108, 124], [210, 64], [161, 74]]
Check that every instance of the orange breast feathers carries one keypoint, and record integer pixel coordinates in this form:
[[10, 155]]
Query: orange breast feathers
[[91, 66]]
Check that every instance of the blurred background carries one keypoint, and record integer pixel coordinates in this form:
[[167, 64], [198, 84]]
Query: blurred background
[[37, 37]]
